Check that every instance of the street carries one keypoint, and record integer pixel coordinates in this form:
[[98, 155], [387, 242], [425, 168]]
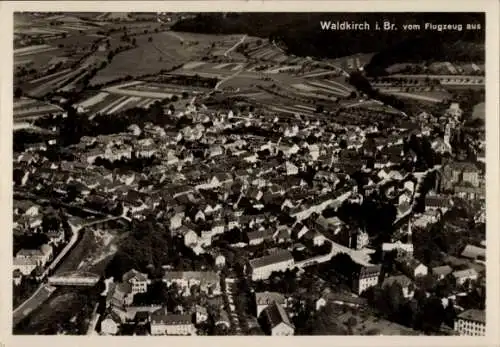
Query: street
[[23, 310], [229, 293]]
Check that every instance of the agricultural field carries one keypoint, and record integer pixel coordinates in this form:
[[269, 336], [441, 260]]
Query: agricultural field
[[434, 97], [353, 62], [136, 94], [111, 16], [264, 50], [216, 69], [304, 110], [226, 47], [162, 52], [29, 28], [324, 86], [107, 103], [41, 86], [27, 109]]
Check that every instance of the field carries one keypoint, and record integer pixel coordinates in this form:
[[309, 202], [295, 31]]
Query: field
[[223, 47], [163, 52], [136, 94], [353, 62], [326, 87], [266, 51], [106, 103], [32, 50], [45, 84], [28, 27], [434, 96], [29, 109], [216, 70]]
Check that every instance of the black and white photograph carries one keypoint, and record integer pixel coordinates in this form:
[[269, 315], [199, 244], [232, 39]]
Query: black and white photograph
[[249, 173]]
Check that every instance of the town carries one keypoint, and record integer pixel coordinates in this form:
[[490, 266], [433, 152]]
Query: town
[[220, 185]]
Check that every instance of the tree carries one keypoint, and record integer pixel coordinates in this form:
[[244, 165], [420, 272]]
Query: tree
[[450, 313], [395, 297], [18, 92], [50, 222], [320, 108], [150, 39], [432, 315]]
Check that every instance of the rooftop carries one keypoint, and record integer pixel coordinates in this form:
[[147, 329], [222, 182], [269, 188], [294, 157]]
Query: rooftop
[[277, 257], [275, 314], [267, 298], [473, 315]]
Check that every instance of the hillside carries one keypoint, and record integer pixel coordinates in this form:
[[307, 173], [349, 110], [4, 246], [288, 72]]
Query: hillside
[[301, 35]]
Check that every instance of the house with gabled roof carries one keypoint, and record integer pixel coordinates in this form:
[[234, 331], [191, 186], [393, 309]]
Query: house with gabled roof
[[138, 280], [412, 267], [276, 321], [208, 281], [441, 271], [265, 299], [463, 276], [164, 323], [261, 268]]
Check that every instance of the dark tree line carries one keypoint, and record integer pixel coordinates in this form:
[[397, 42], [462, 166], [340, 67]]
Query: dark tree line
[[300, 34]]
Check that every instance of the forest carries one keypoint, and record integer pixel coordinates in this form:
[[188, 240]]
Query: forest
[[301, 35]]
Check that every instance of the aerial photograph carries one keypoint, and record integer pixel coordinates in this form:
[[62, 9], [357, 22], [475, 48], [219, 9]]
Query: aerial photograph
[[249, 173]]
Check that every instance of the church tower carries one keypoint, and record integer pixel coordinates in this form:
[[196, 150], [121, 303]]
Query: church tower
[[447, 136]]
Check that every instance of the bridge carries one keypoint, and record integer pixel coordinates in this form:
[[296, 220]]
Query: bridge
[[74, 278]]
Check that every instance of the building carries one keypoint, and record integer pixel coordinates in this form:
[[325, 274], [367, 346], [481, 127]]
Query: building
[[259, 236], [362, 240], [189, 235], [129, 313], [470, 174], [200, 314], [401, 248], [314, 238], [40, 256], [343, 299], [137, 280], [426, 218], [221, 319], [463, 276], [441, 271], [276, 322], [111, 324], [56, 237], [411, 267], [438, 203], [122, 295], [261, 268], [163, 323], [207, 281], [405, 283], [264, 299], [220, 261], [291, 169], [471, 323], [25, 265], [459, 172], [366, 277], [17, 277], [474, 253]]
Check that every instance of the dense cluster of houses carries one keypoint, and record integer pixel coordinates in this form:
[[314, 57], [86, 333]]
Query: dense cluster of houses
[[205, 178]]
